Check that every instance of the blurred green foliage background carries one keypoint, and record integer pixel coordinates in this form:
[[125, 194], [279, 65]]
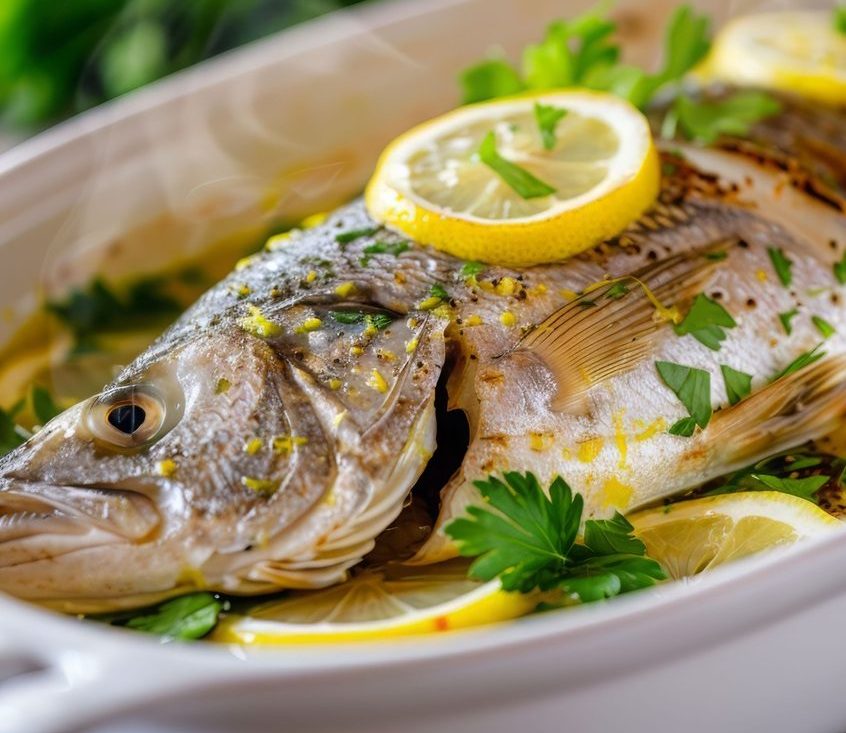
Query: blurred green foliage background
[[59, 57]]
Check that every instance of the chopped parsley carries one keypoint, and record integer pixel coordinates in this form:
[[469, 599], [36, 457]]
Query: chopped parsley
[[519, 179], [471, 269], [583, 52], [438, 291], [823, 326], [840, 268], [786, 319], [705, 121], [353, 234], [616, 291], [717, 255], [706, 321], [378, 320], [738, 384], [548, 117], [528, 541], [184, 618], [782, 265], [383, 248], [801, 361], [693, 388]]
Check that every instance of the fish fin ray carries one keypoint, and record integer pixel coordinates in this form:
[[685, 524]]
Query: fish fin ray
[[790, 411], [595, 337]]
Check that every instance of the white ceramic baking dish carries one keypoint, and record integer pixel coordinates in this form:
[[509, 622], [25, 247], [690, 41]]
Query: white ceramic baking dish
[[281, 129]]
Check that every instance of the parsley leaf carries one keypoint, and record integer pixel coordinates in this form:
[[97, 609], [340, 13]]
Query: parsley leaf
[[43, 406], [786, 319], [840, 18], [738, 384], [489, 80], [706, 121], [383, 248], [583, 52], [353, 234], [10, 438], [379, 321], [840, 268], [706, 321], [186, 617], [801, 361], [519, 179], [782, 265], [548, 117], [802, 487], [823, 326], [693, 387], [616, 291], [471, 269], [349, 318], [529, 542], [438, 291]]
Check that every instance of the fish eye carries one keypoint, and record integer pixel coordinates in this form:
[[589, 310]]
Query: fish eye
[[128, 417]]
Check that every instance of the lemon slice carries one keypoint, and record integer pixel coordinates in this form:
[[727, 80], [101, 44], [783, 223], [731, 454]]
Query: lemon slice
[[700, 534], [799, 52], [431, 184], [399, 601]]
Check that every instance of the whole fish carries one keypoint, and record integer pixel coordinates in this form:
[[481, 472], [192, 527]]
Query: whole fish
[[277, 428]]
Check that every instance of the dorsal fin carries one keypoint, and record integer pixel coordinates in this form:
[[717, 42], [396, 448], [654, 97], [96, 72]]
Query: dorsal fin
[[610, 327]]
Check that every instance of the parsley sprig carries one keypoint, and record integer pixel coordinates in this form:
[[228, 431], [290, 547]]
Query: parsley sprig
[[706, 321], [706, 120], [840, 18], [584, 52], [693, 388], [529, 542]]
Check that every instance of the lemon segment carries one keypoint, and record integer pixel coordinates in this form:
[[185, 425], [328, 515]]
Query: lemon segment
[[431, 184], [799, 52], [378, 605], [700, 534]]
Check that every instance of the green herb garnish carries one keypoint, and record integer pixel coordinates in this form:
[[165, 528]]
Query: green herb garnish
[[383, 248], [471, 269], [738, 384], [840, 18], [803, 487], [519, 179], [583, 52], [528, 541], [786, 319], [693, 387], [616, 291], [10, 437], [706, 321], [705, 121], [353, 234], [782, 265], [548, 117], [378, 320], [43, 406], [801, 361], [438, 291], [716, 255], [823, 326], [186, 617], [349, 318]]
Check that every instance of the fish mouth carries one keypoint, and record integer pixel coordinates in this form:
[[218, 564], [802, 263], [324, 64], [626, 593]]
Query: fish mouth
[[42, 521]]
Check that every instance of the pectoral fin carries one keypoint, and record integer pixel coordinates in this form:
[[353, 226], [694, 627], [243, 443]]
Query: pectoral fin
[[610, 328], [792, 410]]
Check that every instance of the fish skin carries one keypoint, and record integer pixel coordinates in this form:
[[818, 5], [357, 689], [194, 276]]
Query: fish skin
[[140, 536]]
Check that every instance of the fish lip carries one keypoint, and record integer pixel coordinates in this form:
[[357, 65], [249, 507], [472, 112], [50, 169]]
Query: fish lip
[[29, 508]]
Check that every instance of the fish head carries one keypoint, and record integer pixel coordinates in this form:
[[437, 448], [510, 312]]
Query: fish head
[[126, 494], [225, 461]]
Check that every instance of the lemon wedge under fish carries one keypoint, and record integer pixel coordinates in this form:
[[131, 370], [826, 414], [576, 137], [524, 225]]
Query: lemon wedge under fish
[[433, 184], [700, 534], [378, 605], [800, 52]]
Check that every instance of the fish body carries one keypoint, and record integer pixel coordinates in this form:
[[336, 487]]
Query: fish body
[[277, 428]]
